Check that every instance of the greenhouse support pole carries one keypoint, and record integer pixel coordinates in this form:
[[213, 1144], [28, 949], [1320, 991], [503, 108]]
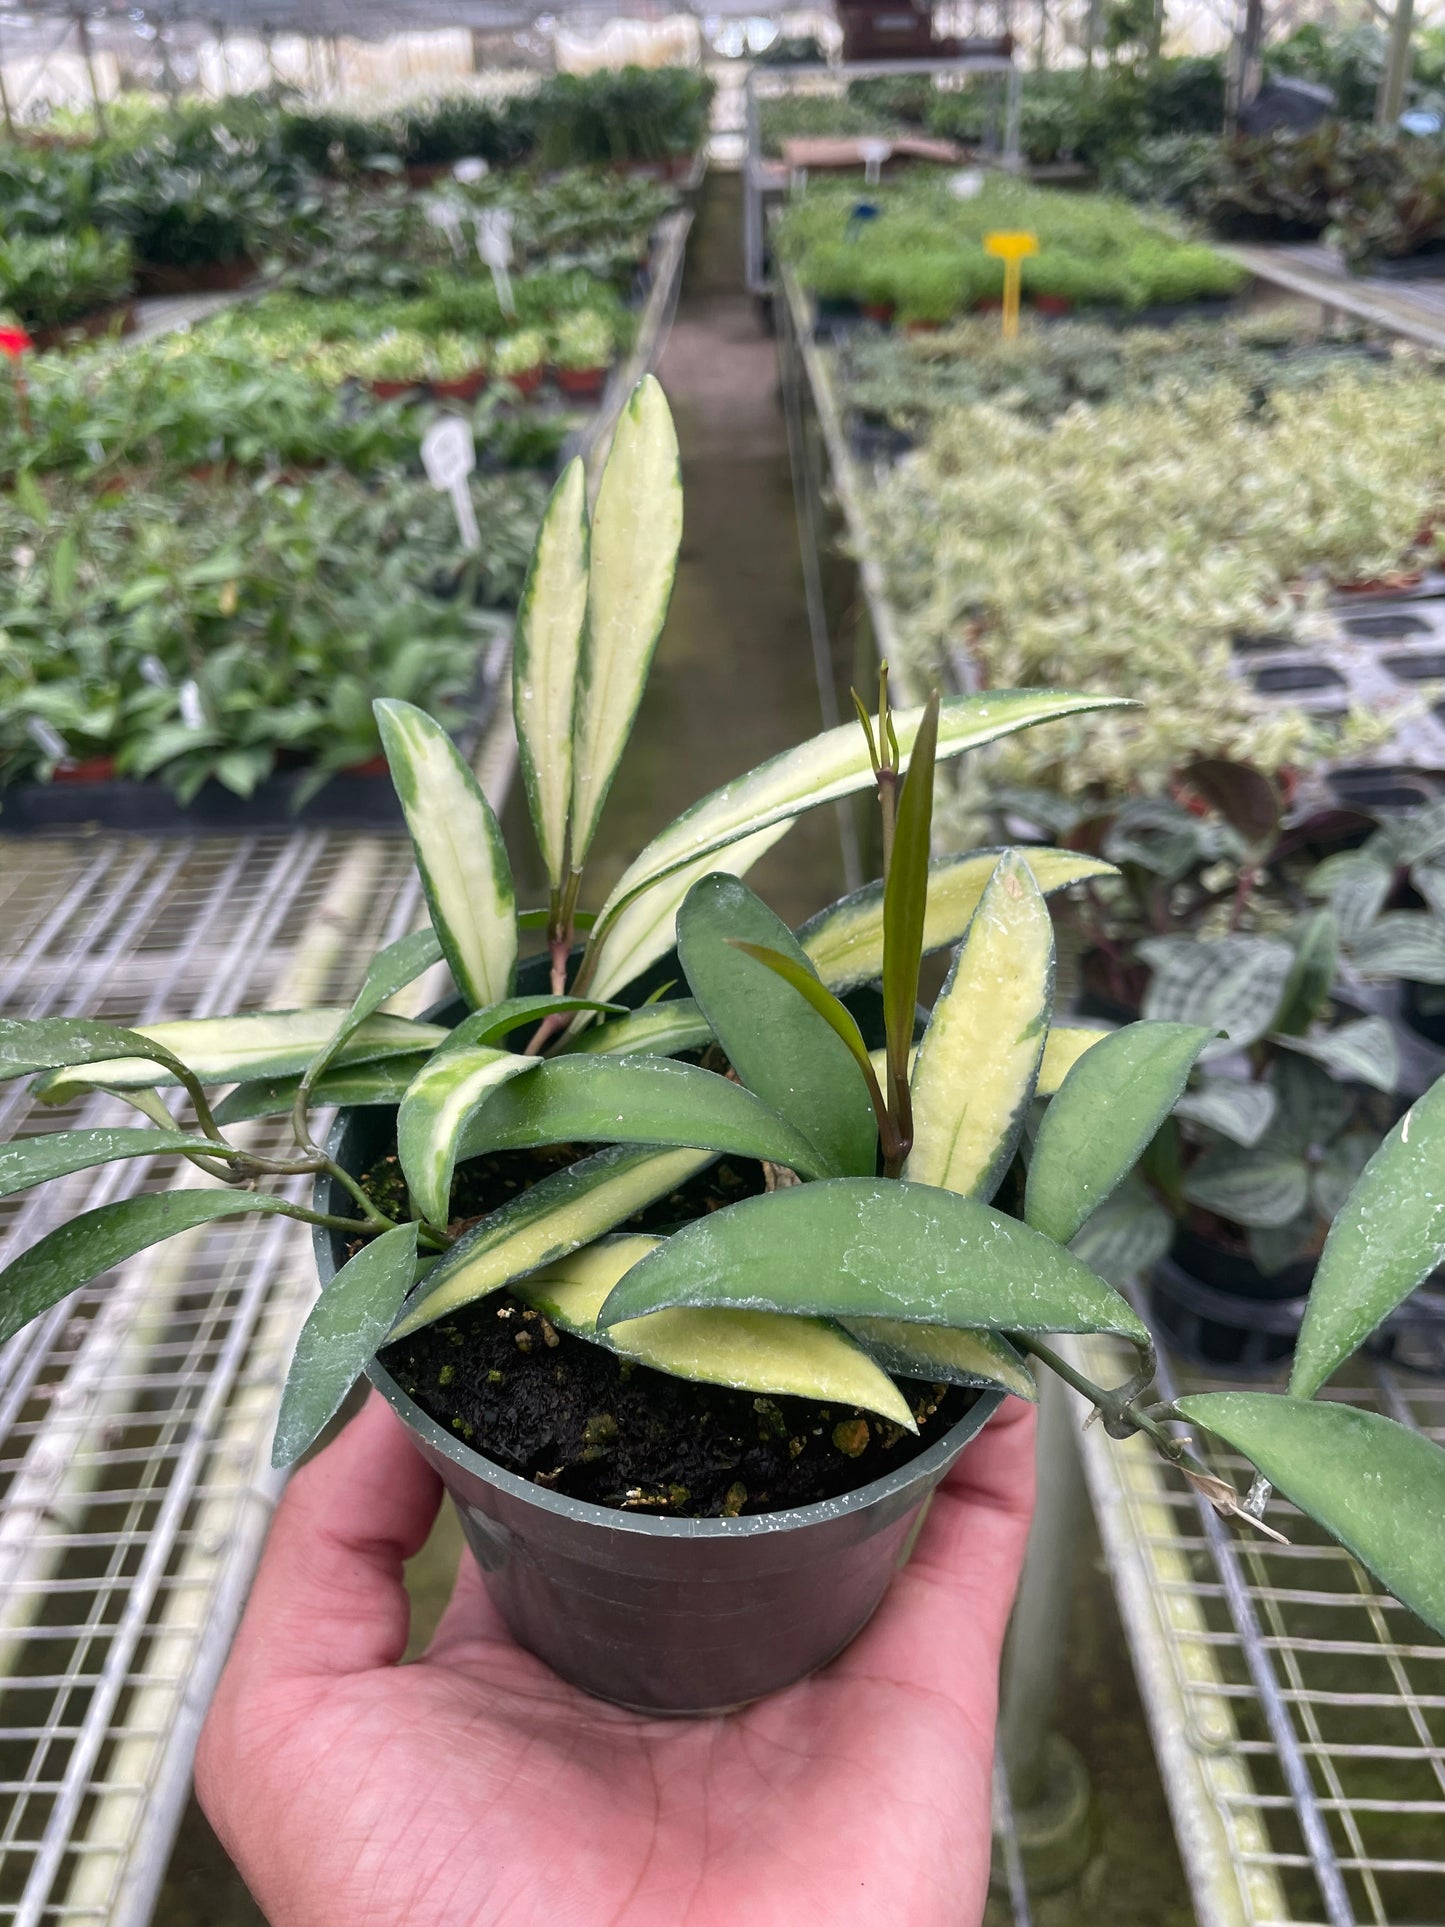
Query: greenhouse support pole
[[5, 108], [1244, 57], [1041, 47], [82, 30], [1156, 30], [1391, 98]]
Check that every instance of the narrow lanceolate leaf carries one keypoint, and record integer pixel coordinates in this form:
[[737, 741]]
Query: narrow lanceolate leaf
[[1230, 984], [755, 1351], [585, 1099], [492, 1025], [28, 1161], [544, 663], [561, 1213], [1366, 1049], [845, 941], [636, 530], [347, 1323], [1098, 1126], [831, 766], [835, 1014], [875, 1248], [1063, 1047], [228, 1050], [937, 1353], [1377, 1487], [384, 1083], [28, 1045], [784, 1051], [905, 892], [81, 1250], [1388, 1238], [435, 1112], [1312, 977], [459, 852], [389, 971], [647, 928], [657, 1030], [979, 1059]]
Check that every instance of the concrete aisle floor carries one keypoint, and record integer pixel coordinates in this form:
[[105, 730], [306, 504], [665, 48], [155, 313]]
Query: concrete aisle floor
[[733, 683]]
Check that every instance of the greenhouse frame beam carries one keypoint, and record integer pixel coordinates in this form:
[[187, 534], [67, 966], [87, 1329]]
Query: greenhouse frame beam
[[1395, 79]]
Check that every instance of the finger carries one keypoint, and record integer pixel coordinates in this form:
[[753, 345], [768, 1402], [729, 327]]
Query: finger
[[329, 1597], [942, 1622]]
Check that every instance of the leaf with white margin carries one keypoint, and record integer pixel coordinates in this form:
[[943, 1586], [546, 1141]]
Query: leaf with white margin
[[546, 652], [442, 1100]]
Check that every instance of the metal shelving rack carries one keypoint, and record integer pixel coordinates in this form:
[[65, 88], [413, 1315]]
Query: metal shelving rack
[[1297, 1714]]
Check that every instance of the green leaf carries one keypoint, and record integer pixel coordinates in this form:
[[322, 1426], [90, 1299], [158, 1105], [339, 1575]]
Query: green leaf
[[936, 1353], [347, 1323], [833, 765], [28, 1045], [1388, 1238], [1240, 1111], [1126, 1236], [568, 1209], [754, 1351], [443, 1098], [491, 1026], [835, 1014], [1403, 943], [1355, 884], [1376, 1486], [1366, 1050], [657, 1030], [389, 971], [845, 941], [1063, 1047], [1241, 794], [1262, 1188], [1227, 984], [979, 1059], [1312, 975], [459, 852], [647, 928], [226, 1050], [875, 1248], [636, 530], [547, 648], [28, 1161], [905, 894], [386, 1082], [1106, 1113], [76, 1252], [586, 1099], [785, 1051]]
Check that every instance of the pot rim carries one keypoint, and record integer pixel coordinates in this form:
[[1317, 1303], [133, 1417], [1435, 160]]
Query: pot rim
[[584, 1512]]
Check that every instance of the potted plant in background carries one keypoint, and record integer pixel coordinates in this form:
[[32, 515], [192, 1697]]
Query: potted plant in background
[[519, 358], [64, 286], [582, 347], [823, 1251]]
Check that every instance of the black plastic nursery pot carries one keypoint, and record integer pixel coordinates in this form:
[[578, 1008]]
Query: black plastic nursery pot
[[662, 1615], [1219, 1309]]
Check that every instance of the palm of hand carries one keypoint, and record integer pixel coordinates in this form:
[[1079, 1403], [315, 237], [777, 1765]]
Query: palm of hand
[[476, 1787]]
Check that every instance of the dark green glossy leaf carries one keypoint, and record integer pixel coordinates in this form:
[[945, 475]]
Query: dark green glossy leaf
[[492, 1026], [834, 1013], [76, 1252], [905, 893], [875, 1248], [27, 1161], [1374, 1485], [386, 1082], [347, 1323], [1388, 1238], [1104, 1115], [783, 1049]]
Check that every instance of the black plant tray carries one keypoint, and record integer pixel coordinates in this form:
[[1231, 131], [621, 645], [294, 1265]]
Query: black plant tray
[[351, 801], [1428, 265]]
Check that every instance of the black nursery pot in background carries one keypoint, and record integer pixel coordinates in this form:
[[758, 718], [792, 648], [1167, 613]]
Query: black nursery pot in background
[[666, 1616], [1218, 1308]]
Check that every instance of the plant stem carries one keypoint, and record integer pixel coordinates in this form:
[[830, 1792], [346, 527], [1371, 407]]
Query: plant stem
[[1120, 1409]]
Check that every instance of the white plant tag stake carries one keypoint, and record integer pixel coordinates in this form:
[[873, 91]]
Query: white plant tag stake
[[470, 170], [874, 154], [47, 739], [494, 245], [449, 455], [966, 184], [189, 698], [442, 215]]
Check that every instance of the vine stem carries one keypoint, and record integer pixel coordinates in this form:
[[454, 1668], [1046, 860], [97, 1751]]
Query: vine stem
[[1119, 1408]]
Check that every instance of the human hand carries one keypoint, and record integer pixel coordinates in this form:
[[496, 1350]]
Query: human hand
[[474, 1788]]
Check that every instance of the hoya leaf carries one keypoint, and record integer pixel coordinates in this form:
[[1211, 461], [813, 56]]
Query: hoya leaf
[[979, 1059], [875, 1248], [28, 1161], [568, 1209], [347, 1323], [1388, 1238], [783, 1049], [82, 1249], [1377, 1487], [1105, 1114], [1366, 1049], [1063, 1047], [845, 941], [228, 1050], [755, 1351], [547, 647], [386, 1082], [389, 971], [585, 1099], [1228, 984], [492, 1025], [833, 765], [661, 1030], [1126, 1237], [28, 1045], [459, 852], [636, 529], [647, 928], [1252, 1188], [442, 1099], [1240, 1111], [938, 1353], [905, 892], [834, 1012]]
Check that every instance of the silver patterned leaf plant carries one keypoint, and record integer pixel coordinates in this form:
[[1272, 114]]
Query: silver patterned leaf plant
[[928, 1225]]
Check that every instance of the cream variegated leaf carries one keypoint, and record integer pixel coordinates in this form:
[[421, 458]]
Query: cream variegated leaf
[[938, 1352], [550, 619], [442, 1098]]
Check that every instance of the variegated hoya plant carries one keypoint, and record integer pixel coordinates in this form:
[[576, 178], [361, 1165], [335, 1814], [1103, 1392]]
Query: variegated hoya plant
[[876, 1248]]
